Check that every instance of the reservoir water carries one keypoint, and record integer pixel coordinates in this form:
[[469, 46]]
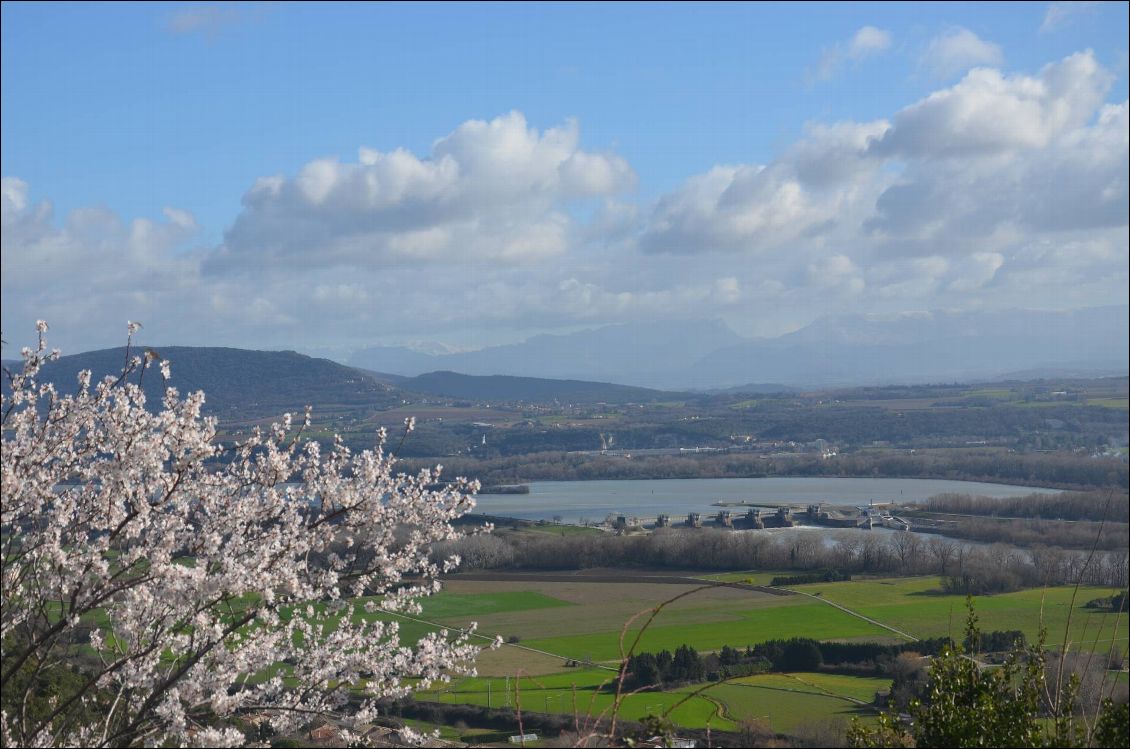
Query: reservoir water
[[576, 501]]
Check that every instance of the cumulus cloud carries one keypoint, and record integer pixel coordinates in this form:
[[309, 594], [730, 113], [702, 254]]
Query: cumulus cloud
[[958, 50], [989, 112], [998, 189], [817, 183], [999, 157], [966, 190], [93, 268], [495, 191], [868, 41]]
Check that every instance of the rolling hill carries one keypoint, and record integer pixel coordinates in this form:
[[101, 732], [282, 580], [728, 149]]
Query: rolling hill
[[238, 383]]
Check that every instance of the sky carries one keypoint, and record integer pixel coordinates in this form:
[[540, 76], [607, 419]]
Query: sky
[[326, 177]]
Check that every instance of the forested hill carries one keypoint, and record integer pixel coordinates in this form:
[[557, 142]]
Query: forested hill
[[530, 389], [238, 383], [241, 384]]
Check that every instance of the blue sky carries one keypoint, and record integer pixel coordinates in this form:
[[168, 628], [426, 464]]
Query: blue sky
[[115, 114]]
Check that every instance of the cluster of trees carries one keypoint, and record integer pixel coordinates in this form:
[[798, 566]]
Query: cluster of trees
[[1069, 534], [1116, 603], [665, 668], [1060, 470], [992, 568], [1096, 506], [798, 654], [1063, 471], [1029, 700], [242, 385]]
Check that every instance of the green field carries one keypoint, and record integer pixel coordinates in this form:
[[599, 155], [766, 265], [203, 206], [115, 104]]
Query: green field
[[998, 393], [785, 702], [447, 605], [782, 701], [914, 606], [582, 621], [753, 577], [589, 694], [1121, 403], [794, 617]]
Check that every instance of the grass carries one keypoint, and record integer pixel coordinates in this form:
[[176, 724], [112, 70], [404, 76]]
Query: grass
[[509, 660], [1001, 394], [862, 688], [583, 620], [447, 605], [913, 605], [753, 577], [784, 701], [1119, 403], [788, 702], [580, 692], [805, 618], [746, 404], [451, 733]]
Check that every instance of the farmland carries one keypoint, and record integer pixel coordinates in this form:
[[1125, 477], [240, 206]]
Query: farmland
[[564, 642], [590, 628], [588, 693], [913, 605], [782, 701], [583, 621]]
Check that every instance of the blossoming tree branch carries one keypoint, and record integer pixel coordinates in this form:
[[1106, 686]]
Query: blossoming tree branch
[[157, 583]]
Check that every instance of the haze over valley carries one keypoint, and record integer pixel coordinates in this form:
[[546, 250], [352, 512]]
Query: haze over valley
[[845, 350]]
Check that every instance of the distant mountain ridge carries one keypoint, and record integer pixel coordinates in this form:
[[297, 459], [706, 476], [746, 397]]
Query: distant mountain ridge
[[250, 382], [242, 383], [530, 389], [642, 363], [640, 354], [834, 350]]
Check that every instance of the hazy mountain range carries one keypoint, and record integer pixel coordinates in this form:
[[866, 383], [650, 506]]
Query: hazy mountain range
[[244, 384], [842, 350], [704, 355]]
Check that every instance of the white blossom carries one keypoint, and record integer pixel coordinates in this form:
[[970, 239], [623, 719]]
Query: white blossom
[[203, 573]]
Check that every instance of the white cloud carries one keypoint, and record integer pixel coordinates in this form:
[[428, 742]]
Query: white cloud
[[868, 41], [976, 271], [837, 272], [958, 50], [13, 197], [996, 190], [494, 191], [94, 272], [995, 158], [1059, 15], [990, 112], [817, 183], [958, 196]]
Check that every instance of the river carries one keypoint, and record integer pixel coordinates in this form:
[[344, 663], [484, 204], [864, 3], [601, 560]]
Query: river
[[577, 501]]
